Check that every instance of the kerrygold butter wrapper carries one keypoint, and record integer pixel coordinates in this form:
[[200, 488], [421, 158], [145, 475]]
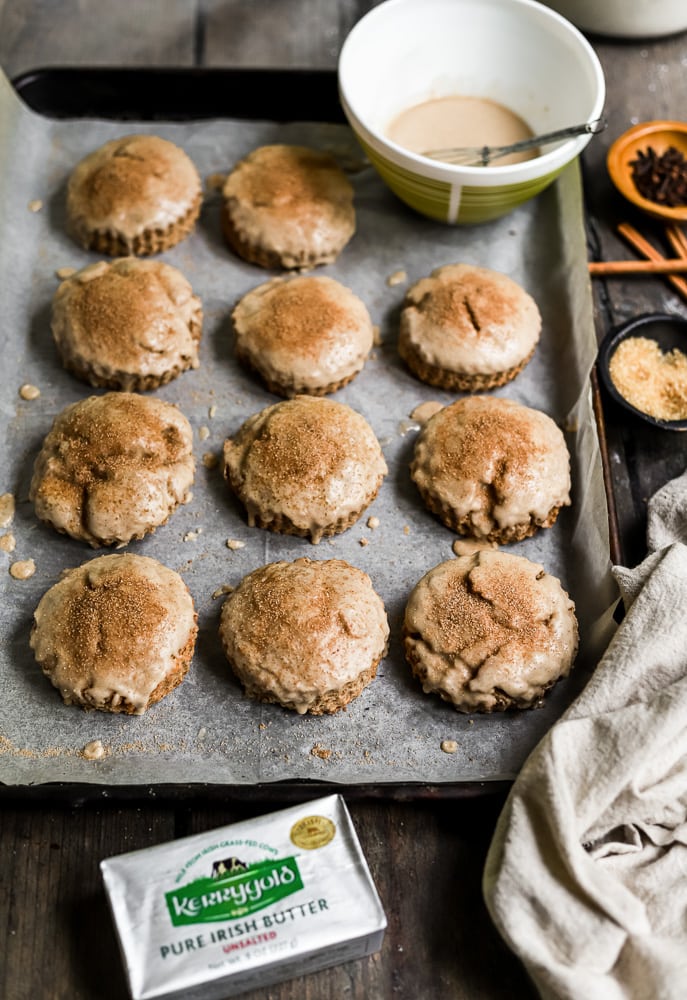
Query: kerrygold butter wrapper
[[245, 906]]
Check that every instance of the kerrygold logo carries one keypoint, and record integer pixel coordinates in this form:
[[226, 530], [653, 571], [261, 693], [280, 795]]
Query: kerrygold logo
[[234, 895]]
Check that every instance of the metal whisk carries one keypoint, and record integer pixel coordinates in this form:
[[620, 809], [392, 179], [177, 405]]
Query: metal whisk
[[482, 156]]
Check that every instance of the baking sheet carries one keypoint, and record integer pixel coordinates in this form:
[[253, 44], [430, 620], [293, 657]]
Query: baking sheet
[[206, 731]]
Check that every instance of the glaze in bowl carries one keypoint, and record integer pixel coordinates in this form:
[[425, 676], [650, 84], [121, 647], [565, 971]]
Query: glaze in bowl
[[515, 52]]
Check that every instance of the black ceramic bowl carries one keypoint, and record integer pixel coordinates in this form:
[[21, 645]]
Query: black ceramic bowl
[[668, 331]]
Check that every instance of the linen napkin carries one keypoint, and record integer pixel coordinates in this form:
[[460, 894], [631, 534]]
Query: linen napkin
[[586, 876]]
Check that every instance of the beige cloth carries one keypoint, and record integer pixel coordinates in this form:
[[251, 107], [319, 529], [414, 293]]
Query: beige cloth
[[586, 877]]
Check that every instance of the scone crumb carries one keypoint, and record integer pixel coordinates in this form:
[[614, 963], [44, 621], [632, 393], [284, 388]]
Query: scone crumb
[[424, 411], [93, 750], [191, 536], [449, 746], [28, 391], [210, 460], [262, 725], [36, 205], [203, 433], [212, 411], [372, 522], [202, 733], [6, 509], [376, 336], [397, 278], [363, 542], [406, 529], [319, 751], [222, 591], [8, 542], [23, 569], [235, 543], [64, 272]]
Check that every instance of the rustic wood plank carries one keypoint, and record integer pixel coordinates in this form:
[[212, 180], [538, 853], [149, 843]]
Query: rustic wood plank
[[645, 80], [274, 33], [37, 33], [60, 940]]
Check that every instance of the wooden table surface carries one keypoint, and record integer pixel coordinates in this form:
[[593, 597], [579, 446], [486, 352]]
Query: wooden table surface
[[426, 857]]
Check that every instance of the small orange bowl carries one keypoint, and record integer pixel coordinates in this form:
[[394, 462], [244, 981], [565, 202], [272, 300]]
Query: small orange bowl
[[660, 136]]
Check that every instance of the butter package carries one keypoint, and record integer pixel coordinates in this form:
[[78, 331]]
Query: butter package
[[245, 906]]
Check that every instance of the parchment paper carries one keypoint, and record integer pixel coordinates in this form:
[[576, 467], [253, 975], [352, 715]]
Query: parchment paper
[[206, 730]]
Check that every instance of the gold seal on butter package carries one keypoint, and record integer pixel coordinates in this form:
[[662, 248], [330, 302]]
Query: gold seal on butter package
[[245, 906]]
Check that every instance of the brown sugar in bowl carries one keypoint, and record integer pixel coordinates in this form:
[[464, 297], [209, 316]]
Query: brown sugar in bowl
[[669, 332]]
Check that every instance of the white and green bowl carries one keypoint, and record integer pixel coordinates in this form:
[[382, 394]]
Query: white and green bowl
[[515, 52]]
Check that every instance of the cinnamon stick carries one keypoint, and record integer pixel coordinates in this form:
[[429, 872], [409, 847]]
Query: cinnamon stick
[[643, 246], [667, 265], [677, 239]]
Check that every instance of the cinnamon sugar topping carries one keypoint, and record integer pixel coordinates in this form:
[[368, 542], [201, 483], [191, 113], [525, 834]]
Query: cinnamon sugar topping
[[467, 328], [489, 630], [306, 466], [306, 634], [303, 334], [492, 468], [116, 633], [131, 324], [96, 480]]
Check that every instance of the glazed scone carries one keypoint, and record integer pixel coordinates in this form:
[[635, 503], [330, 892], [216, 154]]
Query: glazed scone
[[288, 206], [492, 468], [489, 631], [116, 633], [306, 466], [113, 468], [129, 324], [139, 194], [468, 328], [303, 334], [306, 635]]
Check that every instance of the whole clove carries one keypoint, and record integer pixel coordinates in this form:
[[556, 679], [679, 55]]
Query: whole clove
[[661, 178]]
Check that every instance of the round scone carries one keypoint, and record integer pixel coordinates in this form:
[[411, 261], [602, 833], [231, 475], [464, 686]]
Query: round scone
[[113, 468], [306, 635], [303, 334], [129, 324], [306, 466], [116, 633], [468, 328], [489, 631], [492, 468], [288, 206], [135, 195]]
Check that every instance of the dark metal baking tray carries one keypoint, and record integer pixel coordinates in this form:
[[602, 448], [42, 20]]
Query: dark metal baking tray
[[180, 95]]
